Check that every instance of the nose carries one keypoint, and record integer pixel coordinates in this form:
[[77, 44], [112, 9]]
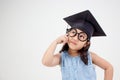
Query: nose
[[75, 37]]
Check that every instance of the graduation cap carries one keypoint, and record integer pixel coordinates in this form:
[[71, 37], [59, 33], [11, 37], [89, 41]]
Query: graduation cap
[[86, 22]]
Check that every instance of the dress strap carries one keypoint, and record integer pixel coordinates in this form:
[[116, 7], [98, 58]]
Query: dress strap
[[89, 58], [63, 54]]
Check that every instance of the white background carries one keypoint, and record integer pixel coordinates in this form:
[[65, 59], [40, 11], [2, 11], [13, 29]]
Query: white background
[[27, 27]]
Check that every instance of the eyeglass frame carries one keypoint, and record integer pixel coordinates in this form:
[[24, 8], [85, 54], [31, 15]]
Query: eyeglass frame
[[68, 30]]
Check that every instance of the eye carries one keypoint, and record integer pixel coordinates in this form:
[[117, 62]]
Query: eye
[[82, 36], [72, 32]]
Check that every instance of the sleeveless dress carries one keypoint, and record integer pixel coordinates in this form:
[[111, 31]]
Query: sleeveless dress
[[73, 68]]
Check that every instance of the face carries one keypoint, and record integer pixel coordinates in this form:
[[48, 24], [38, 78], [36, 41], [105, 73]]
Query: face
[[76, 39]]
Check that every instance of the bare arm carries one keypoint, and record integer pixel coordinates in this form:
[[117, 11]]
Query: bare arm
[[50, 59], [108, 69]]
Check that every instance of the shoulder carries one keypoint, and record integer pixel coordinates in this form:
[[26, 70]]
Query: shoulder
[[63, 53], [94, 56], [99, 61], [58, 55]]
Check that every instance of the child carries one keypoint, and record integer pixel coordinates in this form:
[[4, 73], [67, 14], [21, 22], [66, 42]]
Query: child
[[75, 59]]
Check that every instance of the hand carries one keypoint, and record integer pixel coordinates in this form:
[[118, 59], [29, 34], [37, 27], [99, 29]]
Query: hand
[[62, 39]]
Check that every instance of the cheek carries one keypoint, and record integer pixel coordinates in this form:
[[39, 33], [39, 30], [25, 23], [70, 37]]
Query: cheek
[[80, 45]]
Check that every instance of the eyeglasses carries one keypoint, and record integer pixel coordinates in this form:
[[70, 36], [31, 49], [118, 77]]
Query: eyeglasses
[[82, 36]]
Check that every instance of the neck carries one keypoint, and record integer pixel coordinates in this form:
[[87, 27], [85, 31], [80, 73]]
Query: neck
[[73, 52]]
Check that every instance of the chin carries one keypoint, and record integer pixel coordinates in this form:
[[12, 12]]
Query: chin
[[74, 48]]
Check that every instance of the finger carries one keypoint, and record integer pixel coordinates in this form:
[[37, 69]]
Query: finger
[[66, 35], [65, 40]]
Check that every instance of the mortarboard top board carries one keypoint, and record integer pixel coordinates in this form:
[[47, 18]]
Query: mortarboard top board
[[86, 22]]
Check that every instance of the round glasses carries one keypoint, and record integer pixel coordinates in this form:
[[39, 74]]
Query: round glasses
[[82, 36]]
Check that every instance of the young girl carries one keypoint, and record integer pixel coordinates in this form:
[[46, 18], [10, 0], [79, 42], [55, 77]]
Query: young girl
[[75, 59]]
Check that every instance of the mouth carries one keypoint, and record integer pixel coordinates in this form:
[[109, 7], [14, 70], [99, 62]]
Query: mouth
[[73, 42]]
